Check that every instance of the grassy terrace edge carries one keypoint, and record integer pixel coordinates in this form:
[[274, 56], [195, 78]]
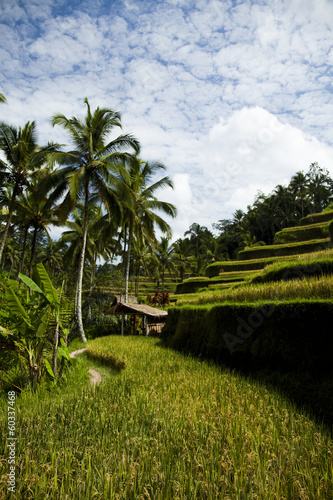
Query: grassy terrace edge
[[268, 333], [241, 265], [317, 217], [302, 233], [285, 249]]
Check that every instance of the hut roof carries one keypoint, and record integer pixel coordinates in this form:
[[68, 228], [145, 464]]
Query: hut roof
[[119, 309]]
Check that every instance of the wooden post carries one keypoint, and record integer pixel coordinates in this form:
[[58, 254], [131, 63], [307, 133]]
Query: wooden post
[[146, 325], [122, 324], [133, 328]]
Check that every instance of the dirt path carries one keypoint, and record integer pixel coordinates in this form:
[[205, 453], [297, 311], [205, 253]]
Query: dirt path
[[95, 376], [76, 353]]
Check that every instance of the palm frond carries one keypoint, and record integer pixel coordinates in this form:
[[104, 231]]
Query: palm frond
[[160, 184], [122, 142]]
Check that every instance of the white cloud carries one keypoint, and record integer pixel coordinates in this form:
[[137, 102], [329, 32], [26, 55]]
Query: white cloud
[[230, 96], [250, 151]]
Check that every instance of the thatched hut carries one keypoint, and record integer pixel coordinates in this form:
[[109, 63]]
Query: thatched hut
[[154, 319]]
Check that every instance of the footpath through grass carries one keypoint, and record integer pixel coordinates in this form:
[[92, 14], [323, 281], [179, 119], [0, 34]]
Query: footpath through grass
[[167, 427]]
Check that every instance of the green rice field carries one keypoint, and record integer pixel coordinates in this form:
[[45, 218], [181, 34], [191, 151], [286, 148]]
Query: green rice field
[[164, 427]]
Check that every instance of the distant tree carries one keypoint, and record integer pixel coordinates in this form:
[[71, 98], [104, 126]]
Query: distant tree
[[231, 233], [199, 237], [299, 186], [285, 207], [51, 256], [165, 258], [320, 186], [182, 256], [11, 255]]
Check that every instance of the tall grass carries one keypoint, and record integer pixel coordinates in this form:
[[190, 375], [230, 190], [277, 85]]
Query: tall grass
[[105, 354], [310, 288], [168, 427]]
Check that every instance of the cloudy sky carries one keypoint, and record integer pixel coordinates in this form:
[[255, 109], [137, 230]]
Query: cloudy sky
[[233, 96]]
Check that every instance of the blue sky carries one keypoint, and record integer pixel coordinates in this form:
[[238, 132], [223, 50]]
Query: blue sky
[[232, 96]]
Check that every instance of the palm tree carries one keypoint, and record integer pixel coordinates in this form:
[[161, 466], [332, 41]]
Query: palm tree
[[22, 157], [299, 187], [92, 168], [285, 206], [142, 255], [165, 257], [199, 235], [35, 211], [182, 255], [141, 217], [72, 241], [214, 252], [320, 186], [51, 256]]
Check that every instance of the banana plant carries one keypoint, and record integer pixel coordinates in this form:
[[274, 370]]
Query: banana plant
[[30, 322]]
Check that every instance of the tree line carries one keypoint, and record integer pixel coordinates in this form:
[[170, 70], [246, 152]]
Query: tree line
[[285, 206]]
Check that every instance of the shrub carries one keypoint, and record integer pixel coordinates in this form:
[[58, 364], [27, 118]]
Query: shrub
[[159, 299]]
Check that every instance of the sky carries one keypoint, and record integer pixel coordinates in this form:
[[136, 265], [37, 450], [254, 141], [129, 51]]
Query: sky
[[233, 96]]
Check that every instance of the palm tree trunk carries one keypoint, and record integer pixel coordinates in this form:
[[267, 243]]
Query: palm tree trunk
[[81, 267], [33, 248], [124, 252], [128, 260], [23, 252], [10, 214], [75, 298], [91, 287]]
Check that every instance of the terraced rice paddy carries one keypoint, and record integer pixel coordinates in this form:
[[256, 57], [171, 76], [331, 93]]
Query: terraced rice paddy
[[166, 427]]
